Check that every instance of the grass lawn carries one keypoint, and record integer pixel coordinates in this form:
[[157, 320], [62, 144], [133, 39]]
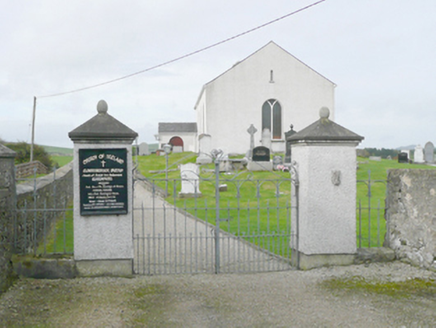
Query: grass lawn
[[61, 160], [254, 203], [246, 213], [372, 195], [59, 239]]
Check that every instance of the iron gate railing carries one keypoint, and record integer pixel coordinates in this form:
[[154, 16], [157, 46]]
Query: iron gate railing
[[237, 224], [43, 216]]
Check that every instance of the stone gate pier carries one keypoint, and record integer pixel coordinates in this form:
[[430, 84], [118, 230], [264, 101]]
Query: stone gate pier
[[324, 220], [103, 200]]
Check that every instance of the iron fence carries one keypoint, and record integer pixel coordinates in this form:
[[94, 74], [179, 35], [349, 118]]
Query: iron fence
[[43, 216], [371, 212]]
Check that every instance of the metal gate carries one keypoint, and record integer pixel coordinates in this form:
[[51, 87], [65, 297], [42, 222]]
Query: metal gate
[[232, 223]]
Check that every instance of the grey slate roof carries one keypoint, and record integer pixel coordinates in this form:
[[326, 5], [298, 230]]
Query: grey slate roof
[[325, 130], [177, 127], [102, 126]]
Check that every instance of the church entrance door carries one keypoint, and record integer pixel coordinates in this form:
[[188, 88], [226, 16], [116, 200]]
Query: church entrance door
[[177, 142]]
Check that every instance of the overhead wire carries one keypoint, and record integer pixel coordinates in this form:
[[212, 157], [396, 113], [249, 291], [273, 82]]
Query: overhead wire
[[184, 56]]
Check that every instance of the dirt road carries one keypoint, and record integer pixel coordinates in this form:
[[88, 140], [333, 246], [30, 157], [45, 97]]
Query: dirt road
[[376, 295]]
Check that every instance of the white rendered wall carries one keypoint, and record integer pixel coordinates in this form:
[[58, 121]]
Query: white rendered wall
[[233, 101], [189, 140], [327, 213], [103, 237]]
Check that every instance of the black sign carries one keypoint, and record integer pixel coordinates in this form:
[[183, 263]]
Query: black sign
[[261, 154], [403, 158], [103, 181]]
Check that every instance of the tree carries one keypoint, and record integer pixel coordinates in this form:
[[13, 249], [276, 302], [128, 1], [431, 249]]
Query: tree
[[23, 153]]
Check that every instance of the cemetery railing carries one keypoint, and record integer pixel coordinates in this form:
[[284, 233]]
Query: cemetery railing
[[370, 212], [43, 217]]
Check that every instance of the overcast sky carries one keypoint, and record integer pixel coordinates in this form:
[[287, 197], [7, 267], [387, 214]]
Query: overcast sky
[[381, 55]]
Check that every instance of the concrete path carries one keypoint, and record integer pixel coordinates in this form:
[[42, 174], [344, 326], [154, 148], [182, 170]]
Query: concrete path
[[168, 240]]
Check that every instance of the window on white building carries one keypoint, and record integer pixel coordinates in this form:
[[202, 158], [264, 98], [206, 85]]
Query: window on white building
[[272, 118]]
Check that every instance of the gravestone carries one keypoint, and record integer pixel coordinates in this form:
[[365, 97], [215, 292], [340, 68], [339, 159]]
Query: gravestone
[[403, 158], [261, 154], [266, 138], [289, 134], [225, 163], [418, 156], [375, 158], [260, 160], [177, 149], [190, 181], [277, 162], [205, 147], [429, 152], [143, 149], [251, 131]]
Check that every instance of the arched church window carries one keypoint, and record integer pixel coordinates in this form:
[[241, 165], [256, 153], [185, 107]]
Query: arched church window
[[272, 118]]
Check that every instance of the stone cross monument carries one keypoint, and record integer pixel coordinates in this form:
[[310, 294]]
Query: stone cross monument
[[251, 131], [103, 195], [325, 222]]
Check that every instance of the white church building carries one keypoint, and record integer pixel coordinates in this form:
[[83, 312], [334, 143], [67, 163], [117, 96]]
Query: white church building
[[270, 89]]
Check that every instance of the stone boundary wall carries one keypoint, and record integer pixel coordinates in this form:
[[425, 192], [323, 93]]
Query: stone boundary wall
[[411, 216], [27, 169], [54, 190], [7, 201]]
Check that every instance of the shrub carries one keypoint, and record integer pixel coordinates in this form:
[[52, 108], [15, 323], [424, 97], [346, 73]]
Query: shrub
[[23, 153]]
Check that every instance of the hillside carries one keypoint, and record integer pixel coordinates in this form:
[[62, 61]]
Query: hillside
[[58, 150]]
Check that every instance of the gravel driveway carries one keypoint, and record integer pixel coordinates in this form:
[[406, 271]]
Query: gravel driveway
[[317, 298]]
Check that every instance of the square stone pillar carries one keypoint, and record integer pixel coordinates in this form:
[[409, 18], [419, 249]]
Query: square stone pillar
[[103, 196], [324, 220]]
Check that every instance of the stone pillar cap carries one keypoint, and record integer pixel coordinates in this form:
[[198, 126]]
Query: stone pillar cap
[[6, 152], [325, 130], [103, 127]]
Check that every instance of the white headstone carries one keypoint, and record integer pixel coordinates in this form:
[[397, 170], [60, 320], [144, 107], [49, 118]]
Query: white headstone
[[266, 138], [177, 149], [190, 181], [205, 147], [429, 152], [418, 155], [143, 149]]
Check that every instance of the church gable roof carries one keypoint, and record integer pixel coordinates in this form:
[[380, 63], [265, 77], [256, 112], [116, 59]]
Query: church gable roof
[[269, 44], [165, 127]]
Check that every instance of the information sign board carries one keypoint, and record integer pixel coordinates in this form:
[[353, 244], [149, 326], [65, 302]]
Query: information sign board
[[103, 181]]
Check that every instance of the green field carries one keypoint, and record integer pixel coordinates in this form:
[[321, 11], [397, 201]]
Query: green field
[[58, 150], [61, 160]]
